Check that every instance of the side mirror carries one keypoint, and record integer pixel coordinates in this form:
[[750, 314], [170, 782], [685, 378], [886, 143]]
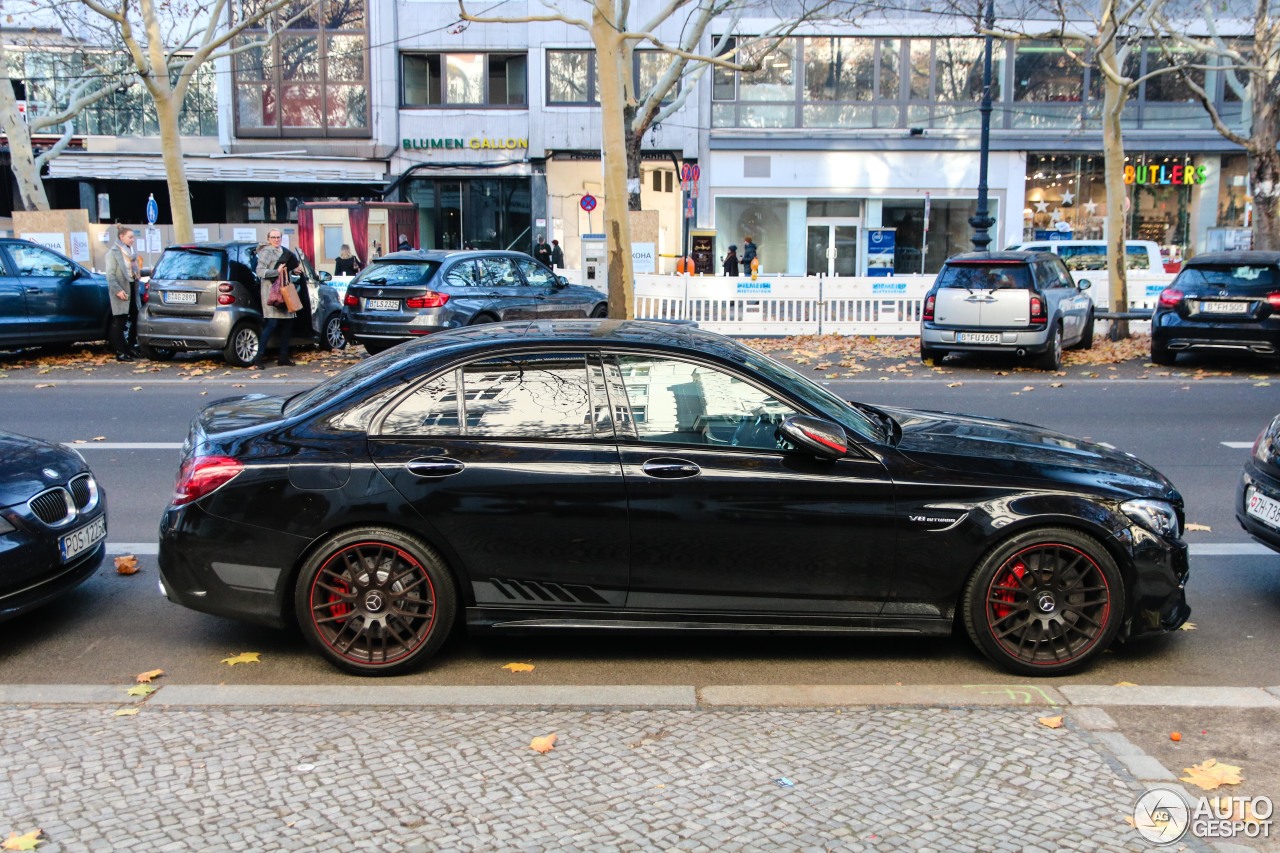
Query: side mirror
[[146, 272], [561, 281], [816, 435], [1084, 284], [324, 275]]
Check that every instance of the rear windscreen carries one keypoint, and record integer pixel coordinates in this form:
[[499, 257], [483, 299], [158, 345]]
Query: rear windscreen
[[186, 265], [1012, 277], [397, 272], [1245, 278]]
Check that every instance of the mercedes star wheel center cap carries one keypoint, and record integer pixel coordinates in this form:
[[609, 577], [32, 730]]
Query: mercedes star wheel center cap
[[373, 601], [1046, 602]]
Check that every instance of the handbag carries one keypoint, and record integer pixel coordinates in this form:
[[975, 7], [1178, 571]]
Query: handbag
[[291, 300], [275, 297]]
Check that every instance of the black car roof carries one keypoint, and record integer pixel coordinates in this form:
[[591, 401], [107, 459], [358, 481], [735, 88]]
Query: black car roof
[[449, 254], [1237, 258], [585, 333]]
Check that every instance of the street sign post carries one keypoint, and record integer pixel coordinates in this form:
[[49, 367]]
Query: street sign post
[[153, 209], [588, 203]]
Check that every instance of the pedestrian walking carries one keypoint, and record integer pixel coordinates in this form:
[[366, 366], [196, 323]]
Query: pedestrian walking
[[557, 255], [346, 263], [731, 262], [749, 255], [542, 252], [122, 280], [275, 263], [404, 245]]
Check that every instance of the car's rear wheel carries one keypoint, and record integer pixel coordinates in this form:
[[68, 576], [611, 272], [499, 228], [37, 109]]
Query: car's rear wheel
[[600, 312], [156, 353], [930, 355], [243, 345], [482, 318], [375, 347], [375, 601], [331, 337], [1052, 357], [1161, 354], [1044, 602]]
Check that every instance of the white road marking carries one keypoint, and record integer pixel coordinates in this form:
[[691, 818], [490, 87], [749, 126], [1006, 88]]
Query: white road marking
[[1237, 445], [125, 445], [138, 549]]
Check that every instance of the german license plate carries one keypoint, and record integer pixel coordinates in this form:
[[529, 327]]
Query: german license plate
[[1224, 307], [978, 338], [382, 304], [82, 539], [179, 297], [1263, 508]]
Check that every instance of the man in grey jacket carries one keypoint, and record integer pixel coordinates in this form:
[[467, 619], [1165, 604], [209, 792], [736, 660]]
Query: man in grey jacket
[[122, 279]]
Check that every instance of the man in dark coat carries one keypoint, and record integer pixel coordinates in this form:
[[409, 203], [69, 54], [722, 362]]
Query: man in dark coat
[[748, 254], [731, 262], [542, 252], [557, 255], [404, 245]]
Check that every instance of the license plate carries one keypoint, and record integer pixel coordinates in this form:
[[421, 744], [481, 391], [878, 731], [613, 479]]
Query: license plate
[[179, 297], [1263, 508], [78, 541], [978, 338], [1224, 307], [382, 304]]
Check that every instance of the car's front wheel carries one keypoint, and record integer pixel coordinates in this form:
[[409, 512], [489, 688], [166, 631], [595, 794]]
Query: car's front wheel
[[1052, 357], [600, 312], [1086, 339], [375, 601], [1044, 602], [331, 337], [243, 345]]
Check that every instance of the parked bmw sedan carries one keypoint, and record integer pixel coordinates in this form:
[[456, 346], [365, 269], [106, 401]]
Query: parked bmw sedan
[[602, 475], [53, 522], [1258, 498], [1220, 302], [409, 294]]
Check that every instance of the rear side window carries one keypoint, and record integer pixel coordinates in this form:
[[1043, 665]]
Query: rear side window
[[1243, 279], [500, 272], [186, 265], [396, 272], [462, 274], [976, 277]]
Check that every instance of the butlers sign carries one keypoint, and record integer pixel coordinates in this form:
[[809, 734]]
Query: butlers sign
[[1166, 175]]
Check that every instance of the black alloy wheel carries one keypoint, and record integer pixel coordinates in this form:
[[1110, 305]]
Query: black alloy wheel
[[375, 601], [1045, 602]]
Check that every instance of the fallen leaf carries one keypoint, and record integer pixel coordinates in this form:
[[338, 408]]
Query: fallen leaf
[[149, 676], [1125, 684], [543, 744], [954, 384], [23, 842], [1262, 385], [1175, 736], [1206, 528], [1028, 388], [78, 441], [1187, 626], [41, 385], [1052, 722], [127, 564], [1209, 774], [243, 657], [99, 438], [1055, 384], [127, 712], [136, 388], [141, 690], [519, 667]]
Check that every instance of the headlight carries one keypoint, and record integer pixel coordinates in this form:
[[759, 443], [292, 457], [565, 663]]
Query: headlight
[[1264, 449], [1157, 516], [5, 526]]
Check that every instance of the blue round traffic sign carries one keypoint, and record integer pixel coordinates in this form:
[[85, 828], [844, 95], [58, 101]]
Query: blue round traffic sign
[[153, 210], [588, 203]]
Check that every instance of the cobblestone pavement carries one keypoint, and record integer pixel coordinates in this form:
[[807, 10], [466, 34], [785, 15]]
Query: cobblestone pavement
[[414, 779]]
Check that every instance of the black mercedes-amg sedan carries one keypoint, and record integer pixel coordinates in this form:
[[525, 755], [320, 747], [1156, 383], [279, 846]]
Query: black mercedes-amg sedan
[[53, 522], [1258, 495], [603, 475]]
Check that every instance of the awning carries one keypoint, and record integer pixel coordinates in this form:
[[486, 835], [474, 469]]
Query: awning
[[203, 167]]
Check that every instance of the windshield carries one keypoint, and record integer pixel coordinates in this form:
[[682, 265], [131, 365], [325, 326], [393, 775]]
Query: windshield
[[397, 272], [826, 402], [189, 265]]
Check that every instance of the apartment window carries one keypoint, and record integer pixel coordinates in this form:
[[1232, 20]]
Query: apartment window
[[312, 79], [573, 78], [464, 79]]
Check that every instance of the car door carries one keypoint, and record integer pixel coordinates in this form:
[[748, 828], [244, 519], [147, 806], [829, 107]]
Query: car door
[[506, 460], [61, 302], [1064, 298], [555, 300], [724, 520], [13, 306], [507, 295]]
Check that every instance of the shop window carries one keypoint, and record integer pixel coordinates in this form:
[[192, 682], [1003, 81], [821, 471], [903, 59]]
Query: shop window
[[463, 79], [1048, 85], [312, 79], [764, 220]]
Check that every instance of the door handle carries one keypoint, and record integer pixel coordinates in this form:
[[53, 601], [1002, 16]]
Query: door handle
[[670, 469], [31, 289], [435, 466]]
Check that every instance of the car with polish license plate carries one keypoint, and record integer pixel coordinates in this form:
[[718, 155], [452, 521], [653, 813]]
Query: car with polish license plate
[[577, 476], [1023, 303], [1220, 302], [53, 522], [1258, 496]]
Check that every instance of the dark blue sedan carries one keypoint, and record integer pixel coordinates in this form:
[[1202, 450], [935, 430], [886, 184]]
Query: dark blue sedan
[[47, 298]]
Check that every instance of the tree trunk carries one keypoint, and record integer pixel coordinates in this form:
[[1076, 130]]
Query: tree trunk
[[617, 223], [1113, 97], [21, 157], [1264, 181], [167, 109], [635, 139]]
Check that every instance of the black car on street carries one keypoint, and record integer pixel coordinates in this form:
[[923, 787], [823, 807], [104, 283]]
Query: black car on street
[[1220, 302], [1258, 497], [577, 475], [53, 522]]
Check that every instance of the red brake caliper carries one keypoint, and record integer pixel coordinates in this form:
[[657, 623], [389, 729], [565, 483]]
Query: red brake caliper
[[337, 606], [1010, 578]]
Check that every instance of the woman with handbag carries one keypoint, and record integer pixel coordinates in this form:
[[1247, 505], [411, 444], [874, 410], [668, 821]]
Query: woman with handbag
[[275, 263], [346, 263]]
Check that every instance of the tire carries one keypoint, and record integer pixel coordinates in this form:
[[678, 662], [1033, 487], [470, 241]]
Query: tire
[[1044, 602], [931, 356], [1161, 354], [375, 347], [482, 318], [156, 353], [1086, 340], [1052, 357], [243, 345], [331, 337], [600, 312], [375, 601]]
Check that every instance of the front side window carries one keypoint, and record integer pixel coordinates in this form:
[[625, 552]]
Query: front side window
[[541, 396], [536, 274], [463, 79], [37, 262], [681, 402]]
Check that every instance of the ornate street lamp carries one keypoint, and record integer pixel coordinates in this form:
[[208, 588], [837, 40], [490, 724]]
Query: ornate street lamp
[[981, 220]]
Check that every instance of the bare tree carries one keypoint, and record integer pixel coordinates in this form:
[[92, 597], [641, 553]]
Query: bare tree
[[626, 115], [94, 77]]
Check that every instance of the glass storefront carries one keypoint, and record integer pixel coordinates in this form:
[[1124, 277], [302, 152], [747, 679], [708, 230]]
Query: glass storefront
[[485, 213]]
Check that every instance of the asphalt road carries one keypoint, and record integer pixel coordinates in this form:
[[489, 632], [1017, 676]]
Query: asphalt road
[[1196, 430]]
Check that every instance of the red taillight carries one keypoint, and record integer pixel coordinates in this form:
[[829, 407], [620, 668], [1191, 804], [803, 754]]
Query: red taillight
[[226, 299], [928, 307], [146, 291], [202, 476], [1038, 315], [351, 300], [1169, 297], [430, 299], [225, 288], [1273, 299]]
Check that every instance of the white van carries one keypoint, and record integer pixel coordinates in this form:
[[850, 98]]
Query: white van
[[1140, 255]]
